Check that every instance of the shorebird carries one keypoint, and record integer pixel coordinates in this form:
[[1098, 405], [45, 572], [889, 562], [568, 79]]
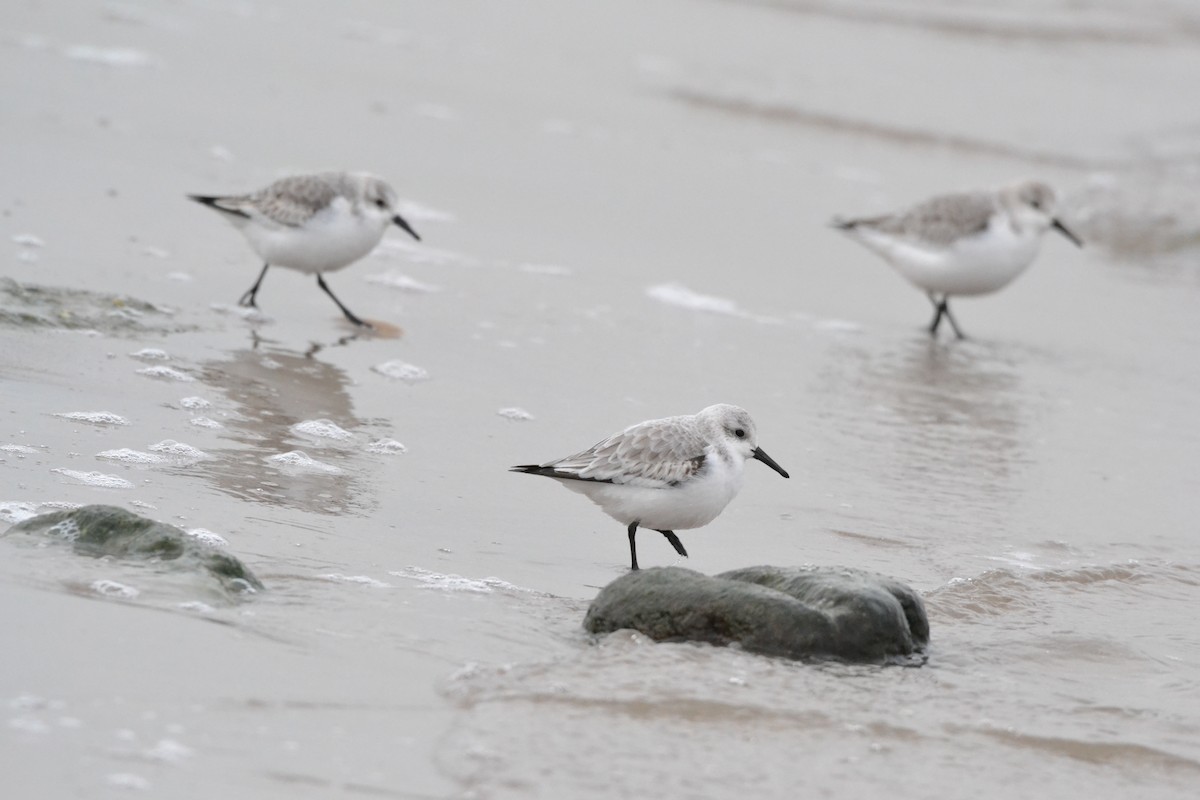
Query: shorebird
[[970, 243], [312, 223], [664, 474]]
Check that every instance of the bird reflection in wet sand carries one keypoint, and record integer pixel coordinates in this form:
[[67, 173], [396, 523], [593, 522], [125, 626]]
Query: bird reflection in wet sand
[[272, 390]]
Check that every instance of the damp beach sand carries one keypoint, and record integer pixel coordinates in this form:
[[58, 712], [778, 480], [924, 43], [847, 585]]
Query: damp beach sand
[[624, 213]]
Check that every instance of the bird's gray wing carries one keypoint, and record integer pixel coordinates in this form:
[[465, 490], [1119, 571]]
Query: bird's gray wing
[[939, 221], [656, 454], [288, 202]]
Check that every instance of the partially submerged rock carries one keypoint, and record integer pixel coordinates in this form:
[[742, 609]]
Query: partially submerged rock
[[100, 531], [28, 305], [795, 612]]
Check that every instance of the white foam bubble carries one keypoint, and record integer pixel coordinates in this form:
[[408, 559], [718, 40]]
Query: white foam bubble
[[402, 371], [322, 429], [179, 451], [676, 294], [94, 417], [127, 456], [196, 606], [544, 269], [14, 511], [396, 280], [19, 449], [108, 56], [299, 460], [205, 422], [109, 588], [28, 240], [517, 414], [151, 354], [195, 403], [207, 537], [168, 750], [127, 780], [98, 479], [165, 374], [359, 579], [387, 447], [457, 583]]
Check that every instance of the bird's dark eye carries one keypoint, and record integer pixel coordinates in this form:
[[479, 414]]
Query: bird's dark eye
[[381, 203], [741, 434]]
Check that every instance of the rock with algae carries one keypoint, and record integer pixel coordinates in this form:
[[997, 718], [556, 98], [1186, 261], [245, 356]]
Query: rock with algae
[[794, 612], [99, 531]]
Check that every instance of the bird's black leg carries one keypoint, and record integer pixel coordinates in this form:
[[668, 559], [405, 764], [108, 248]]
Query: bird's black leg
[[950, 317], [349, 315], [939, 308], [633, 526], [252, 292], [674, 540]]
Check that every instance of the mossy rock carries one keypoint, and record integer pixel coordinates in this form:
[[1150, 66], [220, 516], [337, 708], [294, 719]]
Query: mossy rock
[[794, 612], [99, 531]]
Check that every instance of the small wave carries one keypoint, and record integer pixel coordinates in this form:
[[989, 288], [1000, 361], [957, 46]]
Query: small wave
[[396, 280], [363, 580], [517, 414], [676, 294], [109, 588], [402, 371]]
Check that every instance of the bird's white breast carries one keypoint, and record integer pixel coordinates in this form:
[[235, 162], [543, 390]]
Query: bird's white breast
[[331, 239], [690, 504], [976, 264]]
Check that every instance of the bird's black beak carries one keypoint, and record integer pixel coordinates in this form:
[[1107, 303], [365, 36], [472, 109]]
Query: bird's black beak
[[399, 220], [1065, 231], [759, 455]]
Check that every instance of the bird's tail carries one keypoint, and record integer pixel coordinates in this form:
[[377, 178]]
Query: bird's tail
[[214, 202]]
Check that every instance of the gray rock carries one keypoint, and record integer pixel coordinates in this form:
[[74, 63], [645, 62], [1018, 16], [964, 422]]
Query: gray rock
[[100, 531], [795, 612]]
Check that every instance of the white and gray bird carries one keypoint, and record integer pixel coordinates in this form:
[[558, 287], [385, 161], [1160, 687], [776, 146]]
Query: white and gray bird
[[665, 474], [970, 243], [312, 223]]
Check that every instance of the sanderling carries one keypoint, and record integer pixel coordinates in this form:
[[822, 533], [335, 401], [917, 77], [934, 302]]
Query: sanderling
[[963, 244], [664, 474], [312, 223]]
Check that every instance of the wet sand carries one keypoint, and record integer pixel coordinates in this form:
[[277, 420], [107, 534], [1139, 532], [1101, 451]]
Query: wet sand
[[624, 213]]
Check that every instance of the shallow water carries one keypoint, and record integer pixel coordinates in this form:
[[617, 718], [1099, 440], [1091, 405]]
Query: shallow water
[[620, 222]]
